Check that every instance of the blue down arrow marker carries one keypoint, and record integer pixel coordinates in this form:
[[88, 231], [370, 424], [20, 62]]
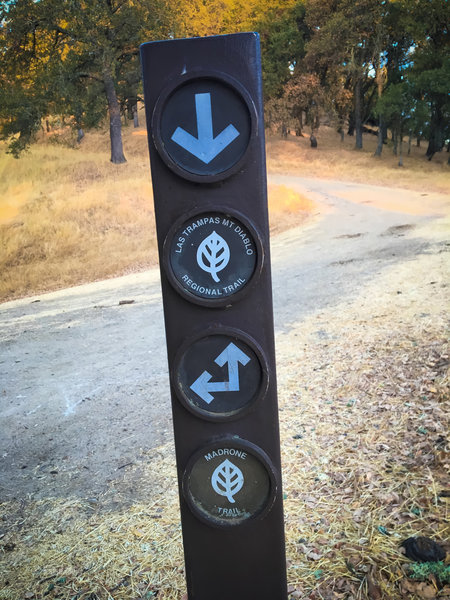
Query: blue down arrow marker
[[205, 146]]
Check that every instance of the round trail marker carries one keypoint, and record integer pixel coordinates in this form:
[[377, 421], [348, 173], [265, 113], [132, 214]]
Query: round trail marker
[[203, 126], [229, 482], [220, 376], [212, 256]]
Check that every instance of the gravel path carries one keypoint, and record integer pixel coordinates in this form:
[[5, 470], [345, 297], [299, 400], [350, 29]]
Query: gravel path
[[84, 388]]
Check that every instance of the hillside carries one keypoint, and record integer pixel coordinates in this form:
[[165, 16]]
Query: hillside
[[68, 216]]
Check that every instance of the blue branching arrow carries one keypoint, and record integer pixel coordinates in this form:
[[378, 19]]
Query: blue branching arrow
[[232, 355], [205, 146]]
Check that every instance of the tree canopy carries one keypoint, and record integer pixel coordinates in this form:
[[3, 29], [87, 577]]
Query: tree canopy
[[76, 58], [382, 62], [372, 61]]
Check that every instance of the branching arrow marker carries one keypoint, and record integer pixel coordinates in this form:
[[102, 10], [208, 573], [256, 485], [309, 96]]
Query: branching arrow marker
[[205, 146], [231, 355]]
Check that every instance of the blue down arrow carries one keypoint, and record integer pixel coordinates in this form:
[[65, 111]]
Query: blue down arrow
[[205, 146], [231, 355]]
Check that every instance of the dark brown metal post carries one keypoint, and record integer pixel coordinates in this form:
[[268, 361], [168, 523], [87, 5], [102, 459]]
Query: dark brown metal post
[[205, 125]]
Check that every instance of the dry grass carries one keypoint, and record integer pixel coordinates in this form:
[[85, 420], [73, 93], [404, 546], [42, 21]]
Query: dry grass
[[333, 159], [287, 208], [69, 216], [364, 417], [364, 435], [74, 217], [363, 404]]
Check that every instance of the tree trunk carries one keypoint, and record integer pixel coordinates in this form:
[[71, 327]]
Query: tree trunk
[[434, 145], [431, 150], [358, 115], [129, 110], [379, 148], [299, 128], [135, 116], [115, 123], [394, 140], [316, 122], [400, 146], [436, 141], [351, 124]]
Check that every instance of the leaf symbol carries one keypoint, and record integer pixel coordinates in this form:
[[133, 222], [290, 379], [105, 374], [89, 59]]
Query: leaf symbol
[[213, 255], [227, 480]]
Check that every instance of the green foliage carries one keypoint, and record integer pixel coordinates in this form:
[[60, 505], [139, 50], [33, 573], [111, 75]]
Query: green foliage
[[21, 115], [396, 103], [353, 60], [73, 59], [359, 49], [422, 571], [422, 61], [282, 47]]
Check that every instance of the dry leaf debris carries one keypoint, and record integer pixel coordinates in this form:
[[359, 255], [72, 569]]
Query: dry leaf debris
[[364, 395]]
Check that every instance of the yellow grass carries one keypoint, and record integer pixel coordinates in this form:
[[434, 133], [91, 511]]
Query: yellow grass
[[287, 208], [333, 159], [67, 215]]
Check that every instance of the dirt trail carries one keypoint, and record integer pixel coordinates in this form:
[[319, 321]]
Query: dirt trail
[[84, 386], [350, 241]]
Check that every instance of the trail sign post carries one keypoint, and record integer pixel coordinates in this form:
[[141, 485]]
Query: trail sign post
[[206, 138]]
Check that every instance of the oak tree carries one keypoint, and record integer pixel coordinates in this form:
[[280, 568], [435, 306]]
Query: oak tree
[[73, 53]]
